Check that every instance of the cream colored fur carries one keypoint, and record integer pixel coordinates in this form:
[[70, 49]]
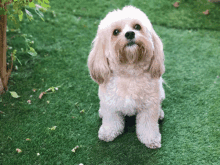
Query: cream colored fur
[[129, 76]]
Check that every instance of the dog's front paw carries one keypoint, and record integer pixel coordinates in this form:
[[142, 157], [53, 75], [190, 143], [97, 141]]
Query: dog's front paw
[[108, 133], [151, 141], [154, 142]]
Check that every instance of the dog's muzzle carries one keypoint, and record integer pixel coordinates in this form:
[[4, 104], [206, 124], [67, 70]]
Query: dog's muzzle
[[130, 43], [130, 35]]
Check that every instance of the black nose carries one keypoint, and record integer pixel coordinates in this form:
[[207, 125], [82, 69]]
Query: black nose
[[130, 35]]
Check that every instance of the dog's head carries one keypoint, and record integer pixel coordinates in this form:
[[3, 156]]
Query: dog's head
[[125, 37]]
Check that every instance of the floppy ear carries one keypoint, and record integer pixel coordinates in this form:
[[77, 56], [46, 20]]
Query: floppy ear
[[157, 67], [97, 61]]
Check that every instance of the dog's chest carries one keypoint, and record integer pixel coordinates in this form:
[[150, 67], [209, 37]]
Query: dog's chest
[[123, 94], [128, 87]]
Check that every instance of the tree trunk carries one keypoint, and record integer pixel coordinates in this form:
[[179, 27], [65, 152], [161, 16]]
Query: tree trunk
[[4, 74]]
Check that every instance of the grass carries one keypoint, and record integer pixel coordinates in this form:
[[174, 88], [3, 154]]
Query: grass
[[190, 130]]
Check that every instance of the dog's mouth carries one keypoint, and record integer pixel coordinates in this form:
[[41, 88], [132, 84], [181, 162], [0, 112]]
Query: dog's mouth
[[130, 43]]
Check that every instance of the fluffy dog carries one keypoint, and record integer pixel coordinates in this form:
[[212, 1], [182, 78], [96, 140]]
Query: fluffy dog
[[127, 61]]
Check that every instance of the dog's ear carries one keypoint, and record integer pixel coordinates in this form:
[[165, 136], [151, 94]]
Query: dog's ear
[[97, 60], [157, 67]]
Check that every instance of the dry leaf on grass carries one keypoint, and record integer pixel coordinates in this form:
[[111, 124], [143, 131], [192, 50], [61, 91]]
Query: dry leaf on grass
[[29, 101], [74, 149], [52, 89], [18, 150], [176, 4], [206, 12], [49, 90], [41, 95], [82, 111], [28, 139], [53, 128]]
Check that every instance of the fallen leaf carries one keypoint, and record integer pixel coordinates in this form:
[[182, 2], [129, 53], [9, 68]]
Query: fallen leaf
[[41, 95], [18, 150], [29, 101], [74, 149], [14, 94], [28, 139], [53, 128], [9, 138], [206, 12], [52, 89], [176, 4]]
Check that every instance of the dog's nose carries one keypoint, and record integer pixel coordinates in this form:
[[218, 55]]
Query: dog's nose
[[130, 35]]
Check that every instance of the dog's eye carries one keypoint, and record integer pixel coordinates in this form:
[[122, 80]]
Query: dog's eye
[[137, 27], [116, 32]]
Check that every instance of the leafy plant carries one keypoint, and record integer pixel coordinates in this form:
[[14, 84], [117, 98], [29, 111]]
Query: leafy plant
[[13, 8], [21, 6]]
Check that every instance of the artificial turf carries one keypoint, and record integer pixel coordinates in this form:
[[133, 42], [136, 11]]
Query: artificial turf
[[191, 128]]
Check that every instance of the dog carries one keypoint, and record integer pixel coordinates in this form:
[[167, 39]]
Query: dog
[[127, 62]]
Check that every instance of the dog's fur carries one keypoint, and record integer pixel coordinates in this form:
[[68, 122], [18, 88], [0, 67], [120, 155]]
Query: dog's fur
[[129, 76]]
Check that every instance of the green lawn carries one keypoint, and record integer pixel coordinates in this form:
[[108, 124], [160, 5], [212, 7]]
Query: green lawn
[[191, 128]]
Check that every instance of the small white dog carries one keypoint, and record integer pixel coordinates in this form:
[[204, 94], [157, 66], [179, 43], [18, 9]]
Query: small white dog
[[127, 61]]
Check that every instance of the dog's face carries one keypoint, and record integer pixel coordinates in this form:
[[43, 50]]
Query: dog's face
[[131, 42], [125, 37]]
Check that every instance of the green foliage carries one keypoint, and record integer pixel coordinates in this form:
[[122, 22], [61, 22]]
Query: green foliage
[[30, 50], [25, 46], [19, 8], [18, 5]]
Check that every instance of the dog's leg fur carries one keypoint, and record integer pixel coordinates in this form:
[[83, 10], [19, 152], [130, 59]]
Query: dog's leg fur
[[162, 97], [112, 125], [148, 128]]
